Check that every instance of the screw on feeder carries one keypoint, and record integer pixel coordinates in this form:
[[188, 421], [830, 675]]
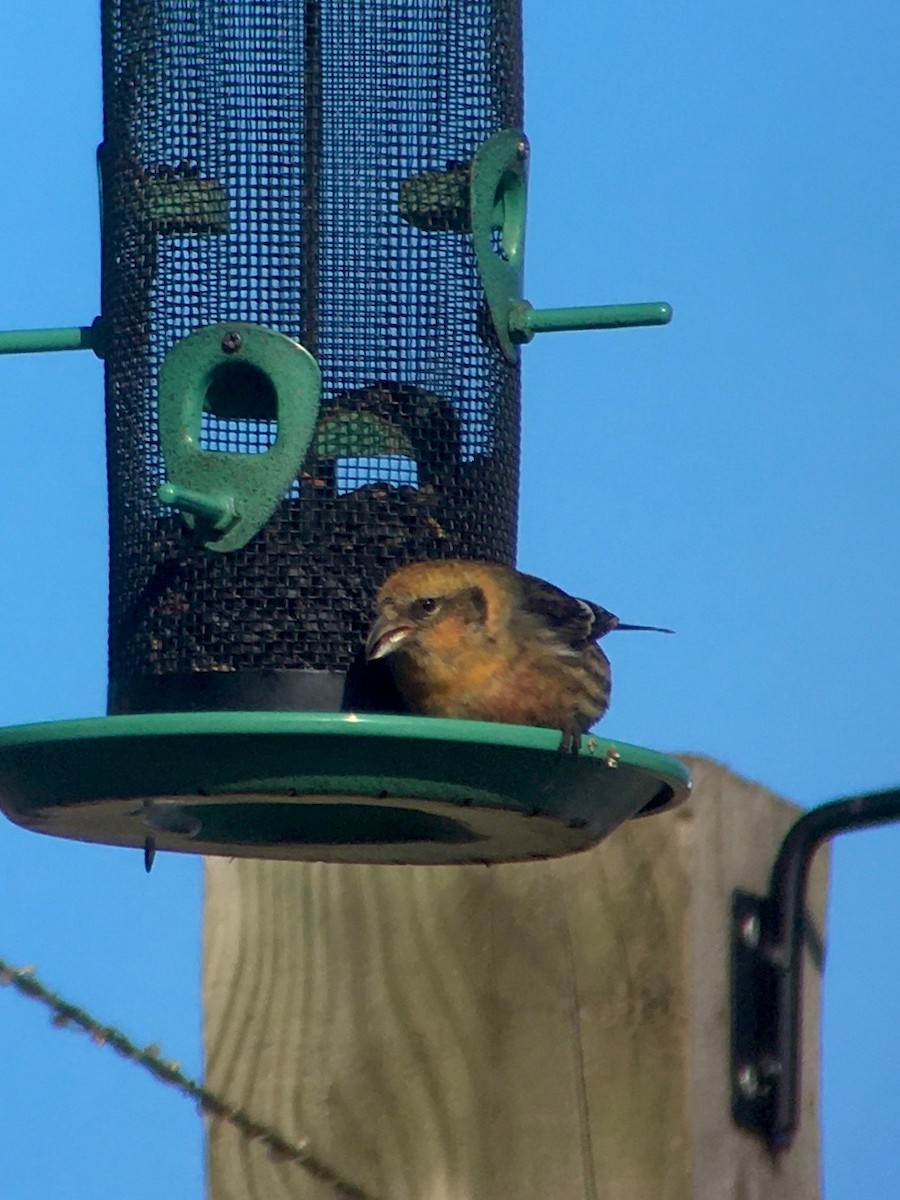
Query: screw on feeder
[[231, 342]]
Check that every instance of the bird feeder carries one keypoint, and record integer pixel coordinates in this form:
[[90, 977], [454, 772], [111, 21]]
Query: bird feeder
[[313, 233]]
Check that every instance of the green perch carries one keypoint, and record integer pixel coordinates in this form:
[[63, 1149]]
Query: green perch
[[525, 321], [39, 341]]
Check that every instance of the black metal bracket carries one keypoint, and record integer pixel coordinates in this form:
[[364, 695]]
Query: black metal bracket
[[768, 937]]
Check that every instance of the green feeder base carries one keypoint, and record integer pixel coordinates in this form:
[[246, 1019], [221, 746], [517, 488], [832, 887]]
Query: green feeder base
[[327, 787]]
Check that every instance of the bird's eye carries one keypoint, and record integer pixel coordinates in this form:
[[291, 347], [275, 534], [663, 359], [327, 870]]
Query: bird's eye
[[425, 607]]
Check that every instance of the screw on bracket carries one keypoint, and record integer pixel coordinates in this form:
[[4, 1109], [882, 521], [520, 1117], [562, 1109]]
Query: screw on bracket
[[749, 930], [746, 1080], [231, 342]]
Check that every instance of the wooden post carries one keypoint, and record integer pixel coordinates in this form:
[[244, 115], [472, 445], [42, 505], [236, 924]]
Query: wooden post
[[543, 1031]]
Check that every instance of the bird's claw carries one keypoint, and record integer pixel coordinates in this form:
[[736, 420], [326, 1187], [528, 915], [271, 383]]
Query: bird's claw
[[570, 743]]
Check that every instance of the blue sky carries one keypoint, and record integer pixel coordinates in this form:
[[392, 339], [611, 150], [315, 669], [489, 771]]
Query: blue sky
[[733, 475]]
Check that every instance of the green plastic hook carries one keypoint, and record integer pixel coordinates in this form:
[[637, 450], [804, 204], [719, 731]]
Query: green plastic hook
[[499, 185], [498, 201], [237, 372]]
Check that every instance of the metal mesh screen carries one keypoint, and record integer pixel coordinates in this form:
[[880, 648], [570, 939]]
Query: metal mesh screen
[[253, 159]]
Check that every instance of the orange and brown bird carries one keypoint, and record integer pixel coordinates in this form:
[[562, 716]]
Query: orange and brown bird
[[480, 641]]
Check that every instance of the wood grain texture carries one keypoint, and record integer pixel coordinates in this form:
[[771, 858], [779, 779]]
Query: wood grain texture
[[543, 1031]]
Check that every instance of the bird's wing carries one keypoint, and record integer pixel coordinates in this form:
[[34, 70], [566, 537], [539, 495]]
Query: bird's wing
[[577, 622]]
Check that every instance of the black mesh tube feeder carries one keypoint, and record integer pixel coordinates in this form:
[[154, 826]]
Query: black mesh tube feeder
[[313, 221]]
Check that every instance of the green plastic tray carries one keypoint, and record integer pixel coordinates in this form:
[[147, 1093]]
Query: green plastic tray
[[331, 787]]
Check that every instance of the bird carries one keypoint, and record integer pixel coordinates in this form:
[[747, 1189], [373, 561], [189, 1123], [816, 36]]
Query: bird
[[482, 641]]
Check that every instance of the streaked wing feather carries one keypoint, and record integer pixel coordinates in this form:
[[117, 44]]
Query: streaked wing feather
[[577, 622]]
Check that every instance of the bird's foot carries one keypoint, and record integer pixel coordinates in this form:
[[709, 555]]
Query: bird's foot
[[570, 742]]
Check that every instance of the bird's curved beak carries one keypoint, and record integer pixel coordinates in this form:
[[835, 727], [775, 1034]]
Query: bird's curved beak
[[385, 636]]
